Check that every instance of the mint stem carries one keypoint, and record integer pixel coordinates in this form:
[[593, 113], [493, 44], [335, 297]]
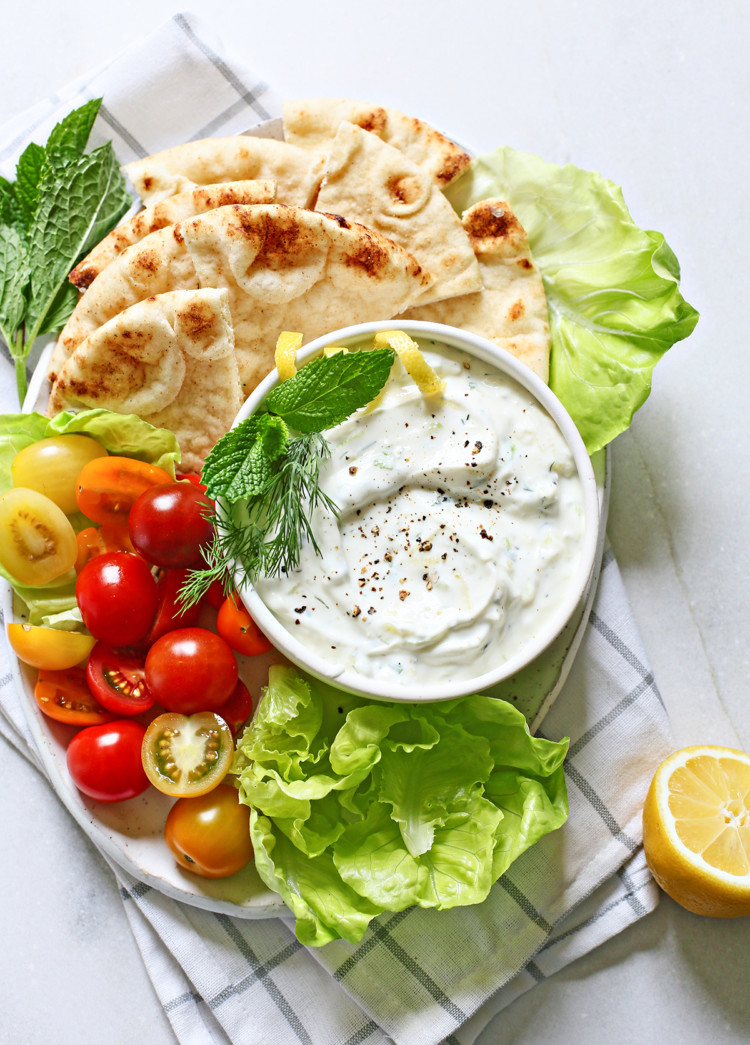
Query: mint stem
[[20, 358]]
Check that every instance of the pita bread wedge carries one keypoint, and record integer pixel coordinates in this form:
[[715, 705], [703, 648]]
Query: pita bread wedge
[[368, 181], [511, 309], [291, 269], [171, 210], [285, 268], [170, 360], [312, 123], [157, 264], [211, 161]]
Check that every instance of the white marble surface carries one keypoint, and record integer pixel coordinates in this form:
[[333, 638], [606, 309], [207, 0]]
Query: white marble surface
[[654, 95]]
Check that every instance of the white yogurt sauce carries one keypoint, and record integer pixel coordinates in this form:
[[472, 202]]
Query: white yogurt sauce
[[461, 526]]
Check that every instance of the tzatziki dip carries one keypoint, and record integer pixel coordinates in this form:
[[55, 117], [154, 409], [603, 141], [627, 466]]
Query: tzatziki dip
[[460, 529]]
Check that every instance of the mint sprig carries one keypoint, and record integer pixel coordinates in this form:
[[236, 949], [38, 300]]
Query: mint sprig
[[62, 202], [266, 480]]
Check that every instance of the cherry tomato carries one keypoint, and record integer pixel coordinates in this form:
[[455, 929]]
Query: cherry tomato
[[238, 709], [51, 466], [191, 670], [171, 613], [49, 647], [117, 679], [38, 543], [210, 835], [237, 627], [170, 524], [117, 597], [99, 540], [65, 697], [105, 761], [187, 755], [108, 487]]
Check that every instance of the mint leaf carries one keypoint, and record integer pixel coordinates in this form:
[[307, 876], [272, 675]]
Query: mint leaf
[[59, 311], [14, 275], [77, 207], [68, 139], [32, 163], [329, 389], [10, 208], [241, 463]]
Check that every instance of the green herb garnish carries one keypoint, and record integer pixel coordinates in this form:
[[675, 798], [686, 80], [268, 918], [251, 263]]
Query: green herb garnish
[[266, 479], [61, 204]]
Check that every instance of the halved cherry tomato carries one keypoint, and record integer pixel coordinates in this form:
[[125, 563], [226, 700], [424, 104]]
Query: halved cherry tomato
[[105, 761], [187, 755], [117, 679], [171, 613], [52, 465], [117, 597], [100, 540], [65, 697], [38, 542], [210, 835], [238, 709], [49, 647], [169, 525], [237, 627], [108, 487], [191, 670]]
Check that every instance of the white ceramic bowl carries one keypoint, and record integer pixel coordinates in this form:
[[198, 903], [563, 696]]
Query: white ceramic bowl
[[307, 659]]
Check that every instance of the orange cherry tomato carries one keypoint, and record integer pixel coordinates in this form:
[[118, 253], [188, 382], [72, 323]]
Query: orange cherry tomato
[[65, 697], [239, 630], [187, 755], [100, 540], [107, 487], [210, 835]]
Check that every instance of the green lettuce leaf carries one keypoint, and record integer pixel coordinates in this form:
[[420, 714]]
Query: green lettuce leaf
[[612, 288], [360, 807]]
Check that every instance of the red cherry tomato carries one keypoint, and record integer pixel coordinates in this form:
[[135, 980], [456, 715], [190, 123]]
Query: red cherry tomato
[[117, 597], [210, 835], [104, 762], [187, 755], [117, 679], [107, 487], [191, 670], [171, 613], [169, 525], [238, 709], [65, 697], [237, 627], [100, 540], [191, 477]]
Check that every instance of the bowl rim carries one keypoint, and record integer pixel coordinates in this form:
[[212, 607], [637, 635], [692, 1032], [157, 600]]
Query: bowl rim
[[372, 688]]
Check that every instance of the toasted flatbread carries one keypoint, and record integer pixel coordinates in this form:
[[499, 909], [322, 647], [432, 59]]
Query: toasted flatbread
[[369, 181], [169, 359], [211, 161], [171, 210], [312, 123], [285, 268], [511, 309]]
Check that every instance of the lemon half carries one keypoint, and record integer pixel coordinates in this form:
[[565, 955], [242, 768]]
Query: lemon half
[[696, 829]]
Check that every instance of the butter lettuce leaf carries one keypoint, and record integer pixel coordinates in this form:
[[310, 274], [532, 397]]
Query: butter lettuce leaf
[[613, 289], [360, 807]]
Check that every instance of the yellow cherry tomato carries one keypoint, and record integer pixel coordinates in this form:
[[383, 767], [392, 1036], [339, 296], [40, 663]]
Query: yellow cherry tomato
[[51, 466], [49, 648], [38, 543]]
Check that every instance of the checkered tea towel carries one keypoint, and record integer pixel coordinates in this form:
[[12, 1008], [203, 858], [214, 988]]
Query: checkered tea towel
[[418, 977]]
